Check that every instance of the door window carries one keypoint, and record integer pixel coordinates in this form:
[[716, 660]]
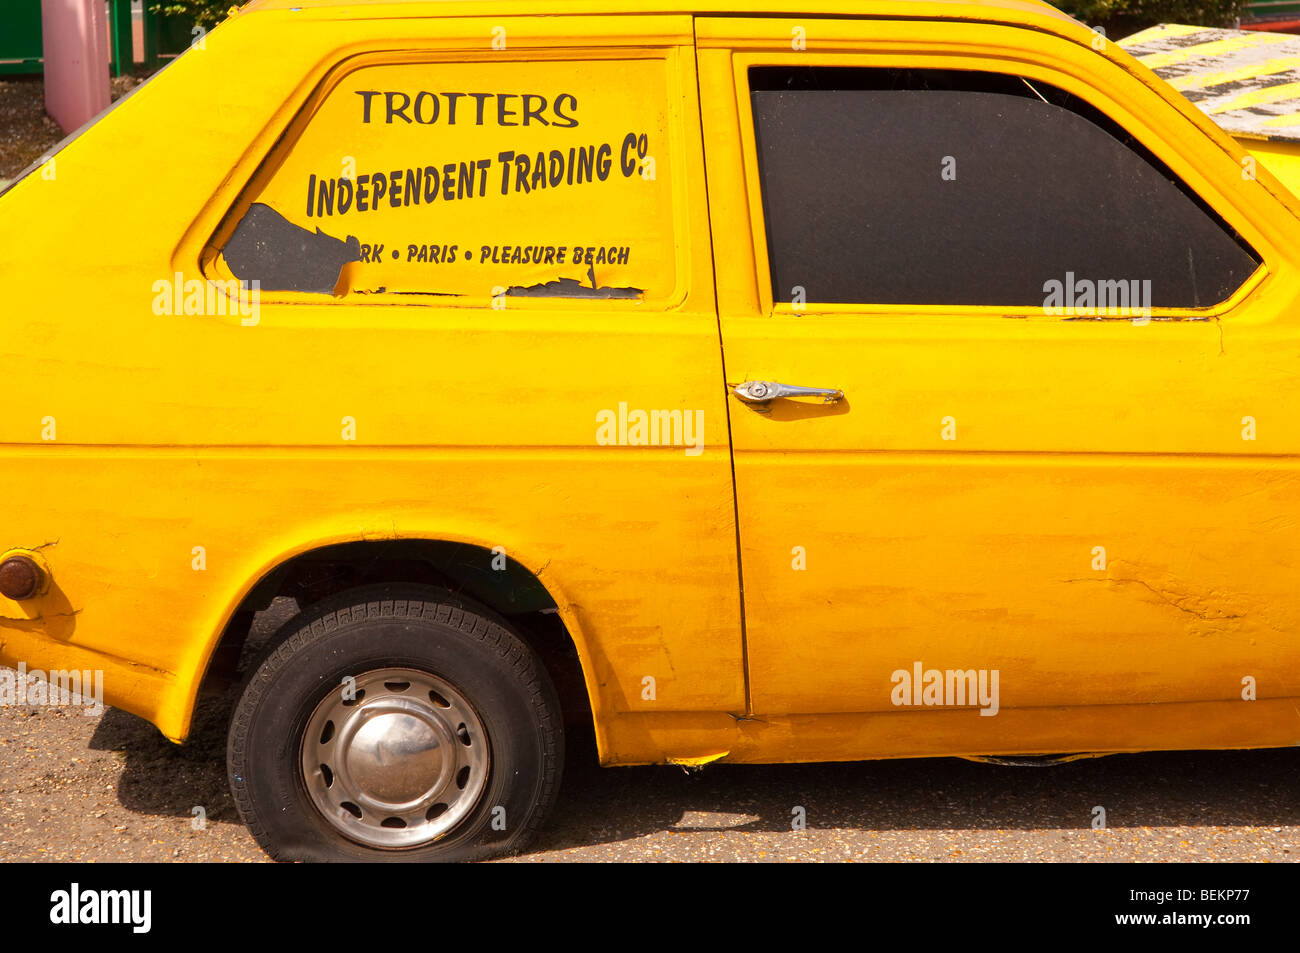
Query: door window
[[544, 179], [932, 187]]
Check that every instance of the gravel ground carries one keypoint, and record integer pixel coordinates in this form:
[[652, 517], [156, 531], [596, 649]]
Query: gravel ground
[[110, 788], [26, 132]]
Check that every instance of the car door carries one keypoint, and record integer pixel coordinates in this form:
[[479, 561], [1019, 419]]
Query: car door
[[1062, 470], [420, 362], [541, 200]]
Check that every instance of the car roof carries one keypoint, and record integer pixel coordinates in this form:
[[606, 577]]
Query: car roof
[[996, 10]]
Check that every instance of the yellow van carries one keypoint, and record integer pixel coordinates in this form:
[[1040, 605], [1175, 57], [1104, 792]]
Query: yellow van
[[890, 379]]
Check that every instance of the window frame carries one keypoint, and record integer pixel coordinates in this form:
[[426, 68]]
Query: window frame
[[1015, 63], [212, 239]]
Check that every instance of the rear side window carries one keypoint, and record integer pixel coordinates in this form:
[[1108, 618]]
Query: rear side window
[[540, 179], [933, 187]]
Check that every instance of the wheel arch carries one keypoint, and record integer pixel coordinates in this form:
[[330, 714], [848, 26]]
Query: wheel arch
[[321, 567]]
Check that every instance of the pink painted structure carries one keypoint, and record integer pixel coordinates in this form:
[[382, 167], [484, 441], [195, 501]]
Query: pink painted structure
[[75, 36]]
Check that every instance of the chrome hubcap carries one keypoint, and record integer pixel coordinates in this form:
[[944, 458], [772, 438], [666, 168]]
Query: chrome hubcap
[[398, 764]]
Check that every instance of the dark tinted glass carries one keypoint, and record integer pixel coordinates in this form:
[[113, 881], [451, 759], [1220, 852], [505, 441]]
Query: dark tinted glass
[[961, 188]]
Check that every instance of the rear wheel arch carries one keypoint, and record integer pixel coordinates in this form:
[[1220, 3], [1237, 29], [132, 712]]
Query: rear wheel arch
[[311, 574]]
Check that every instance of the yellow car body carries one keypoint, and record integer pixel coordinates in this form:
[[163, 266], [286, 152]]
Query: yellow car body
[[1103, 512]]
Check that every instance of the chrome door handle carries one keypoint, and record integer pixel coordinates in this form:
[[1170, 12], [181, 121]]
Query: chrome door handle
[[760, 392]]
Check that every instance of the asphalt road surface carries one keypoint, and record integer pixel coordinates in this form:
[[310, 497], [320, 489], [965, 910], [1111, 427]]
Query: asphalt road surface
[[111, 788]]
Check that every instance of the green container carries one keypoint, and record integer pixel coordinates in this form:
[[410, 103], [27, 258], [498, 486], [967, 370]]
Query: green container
[[1274, 10], [165, 38], [20, 36]]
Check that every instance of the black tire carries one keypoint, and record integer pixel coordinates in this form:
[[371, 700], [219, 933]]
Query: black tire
[[382, 628]]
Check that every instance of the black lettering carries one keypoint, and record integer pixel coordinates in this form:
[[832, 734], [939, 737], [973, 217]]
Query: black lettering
[[345, 195], [419, 112], [502, 112], [604, 159], [570, 122], [504, 158], [363, 194], [311, 187], [325, 200], [379, 187], [480, 99], [465, 183], [400, 111], [430, 183], [530, 114], [365, 95], [521, 174], [412, 191], [586, 159], [395, 188], [451, 107], [625, 161]]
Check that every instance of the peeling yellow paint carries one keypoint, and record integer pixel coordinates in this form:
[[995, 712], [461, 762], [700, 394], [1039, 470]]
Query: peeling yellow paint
[[699, 761]]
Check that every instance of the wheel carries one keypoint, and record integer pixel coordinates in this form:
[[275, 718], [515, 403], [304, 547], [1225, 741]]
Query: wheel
[[395, 723]]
